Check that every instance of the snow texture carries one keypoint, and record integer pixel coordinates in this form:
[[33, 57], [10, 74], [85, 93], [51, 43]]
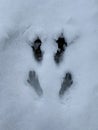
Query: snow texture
[[22, 105]]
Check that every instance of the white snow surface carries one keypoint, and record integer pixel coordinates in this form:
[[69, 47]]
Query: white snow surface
[[20, 107]]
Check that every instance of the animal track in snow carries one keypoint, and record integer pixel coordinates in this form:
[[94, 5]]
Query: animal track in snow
[[34, 82], [36, 47], [38, 54], [62, 44], [66, 84]]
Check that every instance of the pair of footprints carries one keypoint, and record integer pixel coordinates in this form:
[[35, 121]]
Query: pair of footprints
[[34, 82], [38, 54]]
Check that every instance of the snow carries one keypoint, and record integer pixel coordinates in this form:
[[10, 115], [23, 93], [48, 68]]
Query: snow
[[20, 107]]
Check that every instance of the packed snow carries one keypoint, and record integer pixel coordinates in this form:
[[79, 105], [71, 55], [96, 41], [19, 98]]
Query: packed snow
[[22, 105]]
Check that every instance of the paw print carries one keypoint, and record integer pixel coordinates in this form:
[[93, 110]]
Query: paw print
[[66, 84], [34, 82], [38, 54], [62, 44]]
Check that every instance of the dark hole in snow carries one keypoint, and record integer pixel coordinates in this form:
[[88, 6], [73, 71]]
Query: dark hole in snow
[[66, 84], [38, 54], [62, 44], [34, 82]]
